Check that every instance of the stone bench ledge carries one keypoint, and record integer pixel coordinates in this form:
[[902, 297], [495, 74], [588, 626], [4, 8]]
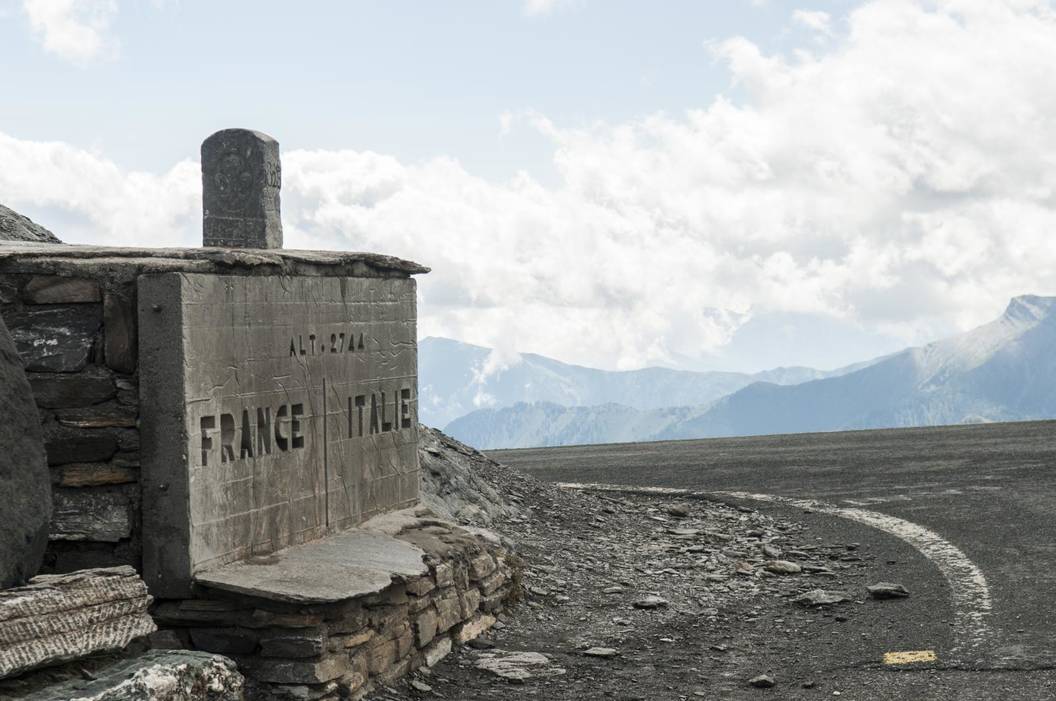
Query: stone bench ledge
[[357, 562]]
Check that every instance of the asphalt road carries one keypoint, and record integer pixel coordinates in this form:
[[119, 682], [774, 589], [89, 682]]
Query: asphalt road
[[989, 491]]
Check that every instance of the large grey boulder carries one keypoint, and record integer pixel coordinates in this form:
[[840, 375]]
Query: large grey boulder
[[25, 486], [15, 227], [156, 675]]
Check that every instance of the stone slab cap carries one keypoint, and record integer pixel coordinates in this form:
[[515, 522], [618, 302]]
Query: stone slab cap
[[241, 179], [344, 566], [126, 264]]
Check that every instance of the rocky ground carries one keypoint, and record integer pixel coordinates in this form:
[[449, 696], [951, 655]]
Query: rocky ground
[[638, 596], [632, 596]]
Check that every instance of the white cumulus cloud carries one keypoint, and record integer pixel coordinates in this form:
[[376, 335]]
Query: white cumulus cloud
[[76, 30], [902, 177], [814, 19], [537, 8]]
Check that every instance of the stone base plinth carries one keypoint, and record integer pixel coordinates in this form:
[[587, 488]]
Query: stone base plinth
[[333, 646]]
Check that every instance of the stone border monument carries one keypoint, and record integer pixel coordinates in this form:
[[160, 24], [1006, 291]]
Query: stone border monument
[[239, 423]]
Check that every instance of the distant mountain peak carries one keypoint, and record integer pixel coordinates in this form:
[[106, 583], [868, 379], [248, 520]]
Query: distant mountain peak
[[1030, 308]]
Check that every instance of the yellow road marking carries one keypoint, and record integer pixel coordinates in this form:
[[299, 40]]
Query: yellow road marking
[[909, 657]]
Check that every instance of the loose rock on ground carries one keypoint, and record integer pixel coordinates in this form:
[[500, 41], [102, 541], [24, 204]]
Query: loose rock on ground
[[640, 597], [887, 590]]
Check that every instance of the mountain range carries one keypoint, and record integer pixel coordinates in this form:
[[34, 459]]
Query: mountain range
[[458, 378], [1002, 371]]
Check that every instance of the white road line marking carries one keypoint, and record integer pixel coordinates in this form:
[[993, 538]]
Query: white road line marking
[[971, 594]]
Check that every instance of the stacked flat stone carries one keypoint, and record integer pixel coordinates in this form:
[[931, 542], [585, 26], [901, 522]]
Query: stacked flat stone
[[76, 336], [56, 618], [344, 649]]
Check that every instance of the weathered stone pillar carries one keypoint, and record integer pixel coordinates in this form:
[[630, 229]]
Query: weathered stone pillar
[[241, 178]]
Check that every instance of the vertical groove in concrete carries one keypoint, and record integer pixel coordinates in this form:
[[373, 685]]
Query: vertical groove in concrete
[[326, 463]]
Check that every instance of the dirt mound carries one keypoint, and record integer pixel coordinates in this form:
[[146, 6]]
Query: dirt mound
[[463, 484]]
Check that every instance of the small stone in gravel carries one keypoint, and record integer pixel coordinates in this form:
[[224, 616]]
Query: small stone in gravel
[[420, 686], [678, 510], [888, 590], [716, 535], [822, 597], [809, 685], [600, 652], [612, 590], [622, 621], [771, 551], [744, 568], [763, 681], [481, 644], [517, 666], [816, 569], [782, 567], [650, 602]]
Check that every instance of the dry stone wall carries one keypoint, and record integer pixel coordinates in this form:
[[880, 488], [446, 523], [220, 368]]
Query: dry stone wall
[[77, 339]]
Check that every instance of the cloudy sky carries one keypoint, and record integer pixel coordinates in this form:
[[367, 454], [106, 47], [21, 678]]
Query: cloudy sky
[[736, 185]]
